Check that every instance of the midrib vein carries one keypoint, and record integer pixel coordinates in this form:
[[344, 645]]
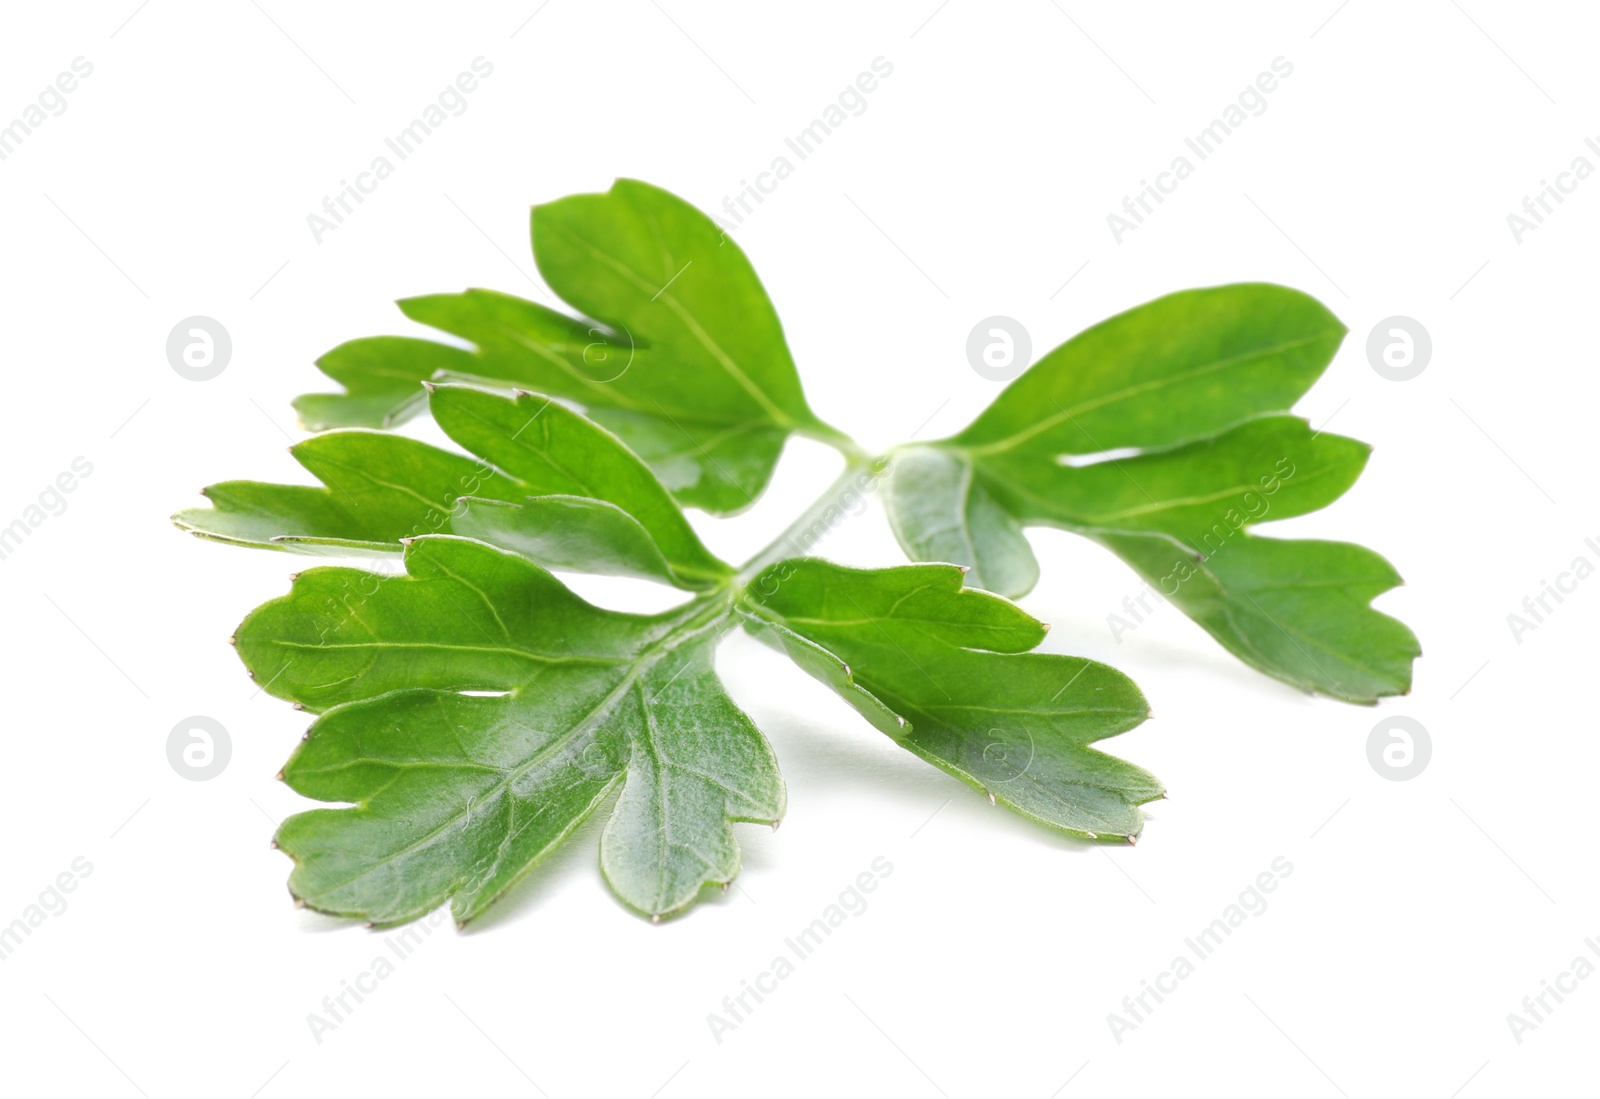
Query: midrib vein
[[1048, 422]]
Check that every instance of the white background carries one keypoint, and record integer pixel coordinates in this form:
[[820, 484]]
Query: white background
[[1418, 914]]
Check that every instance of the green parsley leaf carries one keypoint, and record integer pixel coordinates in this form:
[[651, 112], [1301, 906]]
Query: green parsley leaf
[[946, 672], [1196, 385], [473, 711], [459, 793], [679, 352], [549, 483]]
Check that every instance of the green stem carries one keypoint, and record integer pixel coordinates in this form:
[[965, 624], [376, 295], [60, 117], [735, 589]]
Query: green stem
[[832, 436], [796, 537]]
